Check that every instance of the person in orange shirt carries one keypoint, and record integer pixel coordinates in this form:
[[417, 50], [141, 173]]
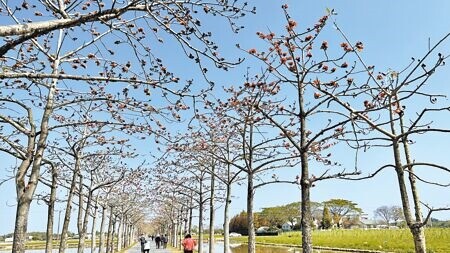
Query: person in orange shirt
[[188, 244]]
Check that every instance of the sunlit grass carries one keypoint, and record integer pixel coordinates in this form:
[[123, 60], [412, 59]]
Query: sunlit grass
[[396, 240]]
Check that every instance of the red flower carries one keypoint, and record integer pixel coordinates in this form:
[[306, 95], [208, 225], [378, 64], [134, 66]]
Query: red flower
[[308, 38], [324, 45], [359, 46]]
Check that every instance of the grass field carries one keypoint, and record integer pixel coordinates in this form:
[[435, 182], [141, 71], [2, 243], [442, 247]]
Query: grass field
[[396, 240]]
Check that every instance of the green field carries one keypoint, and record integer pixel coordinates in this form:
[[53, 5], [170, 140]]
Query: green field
[[398, 240]]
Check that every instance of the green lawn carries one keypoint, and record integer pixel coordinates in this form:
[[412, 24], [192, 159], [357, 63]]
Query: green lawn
[[396, 240]]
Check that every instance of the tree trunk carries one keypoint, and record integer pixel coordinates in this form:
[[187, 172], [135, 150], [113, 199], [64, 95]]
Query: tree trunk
[[190, 215], [200, 219], [412, 177], [113, 235], [226, 222], [102, 234], [110, 227], [180, 232], [82, 220], [25, 191], [93, 230], [250, 220], [125, 232], [130, 234], [306, 215], [415, 227], [174, 234], [51, 213], [20, 230], [65, 227], [305, 183], [119, 234], [211, 212]]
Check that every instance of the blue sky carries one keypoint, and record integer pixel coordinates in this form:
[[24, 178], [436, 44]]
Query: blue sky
[[392, 32]]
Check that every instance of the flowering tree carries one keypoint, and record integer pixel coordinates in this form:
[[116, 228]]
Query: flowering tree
[[383, 112], [295, 64], [262, 152], [73, 57]]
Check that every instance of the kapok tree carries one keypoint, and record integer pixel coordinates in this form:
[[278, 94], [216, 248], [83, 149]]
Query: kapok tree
[[53, 62], [219, 140], [309, 123], [263, 151], [393, 108]]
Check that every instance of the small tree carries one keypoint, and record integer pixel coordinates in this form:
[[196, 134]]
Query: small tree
[[384, 212], [327, 220]]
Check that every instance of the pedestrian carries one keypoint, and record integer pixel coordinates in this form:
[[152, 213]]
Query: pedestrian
[[158, 241], [147, 247], [164, 240], [142, 241], [188, 244]]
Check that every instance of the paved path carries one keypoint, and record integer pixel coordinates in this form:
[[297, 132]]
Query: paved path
[[137, 248]]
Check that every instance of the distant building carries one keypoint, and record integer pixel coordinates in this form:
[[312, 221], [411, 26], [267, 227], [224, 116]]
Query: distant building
[[9, 239], [286, 226], [366, 224], [262, 229]]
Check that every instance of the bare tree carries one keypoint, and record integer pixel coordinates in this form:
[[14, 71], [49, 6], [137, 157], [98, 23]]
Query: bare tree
[[384, 212], [384, 99]]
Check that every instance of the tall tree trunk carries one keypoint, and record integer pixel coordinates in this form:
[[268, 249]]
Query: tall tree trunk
[[306, 219], [305, 183], [20, 229], [180, 232], [93, 230], [190, 214], [226, 222], [65, 227], [125, 232], [110, 228], [173, 233], [113, 235], [51, 212], [412, 178], [35, 152], [250, 220], [200, 218], [211, 211], [119, 234], [102, 232], [416, 229], [81, 242], [82, 220]]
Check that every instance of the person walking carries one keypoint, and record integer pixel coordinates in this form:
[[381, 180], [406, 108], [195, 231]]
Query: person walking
[[142, 241], [147, 247], [164, 240], [188, 244], [158, 241]]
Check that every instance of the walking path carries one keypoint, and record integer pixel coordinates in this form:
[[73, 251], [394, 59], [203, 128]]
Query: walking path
[[137, 248]]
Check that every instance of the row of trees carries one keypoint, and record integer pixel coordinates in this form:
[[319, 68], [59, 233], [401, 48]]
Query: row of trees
[[72, 107], [72, 104], [308, 102], [341, 212]]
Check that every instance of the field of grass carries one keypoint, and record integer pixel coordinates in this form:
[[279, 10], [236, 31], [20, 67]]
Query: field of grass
[[395, 240], [71, 243]]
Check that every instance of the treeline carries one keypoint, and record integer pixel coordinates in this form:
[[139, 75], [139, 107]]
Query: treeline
[[338, 212]]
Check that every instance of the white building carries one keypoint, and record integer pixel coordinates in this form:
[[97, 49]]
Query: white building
[[286, 226]]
